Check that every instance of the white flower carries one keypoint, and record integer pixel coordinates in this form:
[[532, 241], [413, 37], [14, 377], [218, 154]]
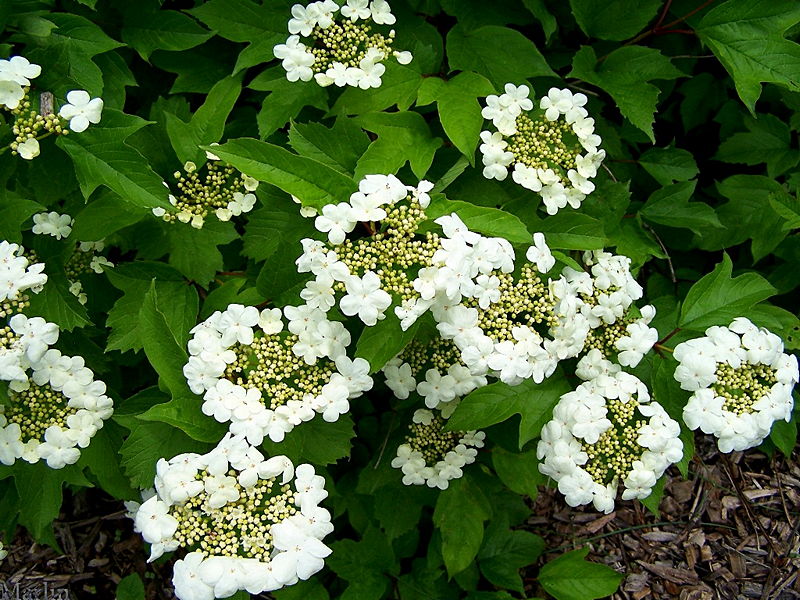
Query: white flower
[[381, 12], [356, 9], [399, 378], [11, 93], [19, 70], [337, 221], [53, 224], [540, 254], [365, 298], [58, 448], [81, 110], [29, 149]]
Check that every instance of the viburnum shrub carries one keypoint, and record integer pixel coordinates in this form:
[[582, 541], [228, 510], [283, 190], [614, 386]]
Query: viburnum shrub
[[264, 277]]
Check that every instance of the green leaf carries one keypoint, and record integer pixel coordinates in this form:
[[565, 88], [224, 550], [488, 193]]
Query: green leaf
[[717, 299], [747, 38], [488, 221], [402, 137], [314, 183], [653, 500], [195, 252], [670, 206], [570, 577], [768, 141], [147, 443], [67, 51], [285, 99], [385, 340], [616, 21], [399, 87], [55, 303], [178, 302], [315, 441], [460, 512], [500, 54], [788, 207], [364, 564], [519, 471], [278, 225], [101, 157], [498, 401], [625, 74], [107, 213], [207, 124], [784, 436], [184, 412], [459, 110], [162, 337], [571, 231], [148, 30], [505, 552], [668, 165], [14, 211], [539, 10], [748, 195], [310, 589], [106, 443], [39, 488], [130, 588], [339, 147]]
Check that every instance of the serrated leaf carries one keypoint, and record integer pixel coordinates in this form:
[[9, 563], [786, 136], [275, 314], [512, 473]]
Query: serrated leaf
[[670, 206], [668, 165], [161, 339], [314, 183], [195, 252], [146, 31], [278, 224], [572, 231], [539, 9], [402, 137], [130, 588], [106, 443], [768, 140], [625, 74], [147, 443], [504, 552], [107, 213], [339, 147], [498, 401], [285, 99], [519, 471], [788, 207], [485, 220], [747, 36], [570, 577], [716, 299], [315, 441], [101, 157], [459, 110], [55, 303], [207, 124], [784, 436], [399, 87], [614, 21], [14, 211], [40, 488], [184, 412], [500, 54], [460, 512]]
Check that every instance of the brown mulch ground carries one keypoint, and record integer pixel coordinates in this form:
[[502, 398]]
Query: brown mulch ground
[[729, 532]]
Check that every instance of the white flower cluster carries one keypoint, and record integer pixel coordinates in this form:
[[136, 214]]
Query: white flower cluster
[[353, 267], [80, 109], [555, 157], [223, 191], [741, 380], [339, 48], [605, 434], [54, 411], [598, 307], [249, 523], [434, 457], [433, 370], [264, 380], [17, 276]]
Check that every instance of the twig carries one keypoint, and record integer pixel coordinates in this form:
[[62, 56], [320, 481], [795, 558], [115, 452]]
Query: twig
[[664, 249], [614, 179], [385, 441]]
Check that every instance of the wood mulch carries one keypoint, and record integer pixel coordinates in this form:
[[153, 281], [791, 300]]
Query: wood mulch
[[731, 531], [728, 532]]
